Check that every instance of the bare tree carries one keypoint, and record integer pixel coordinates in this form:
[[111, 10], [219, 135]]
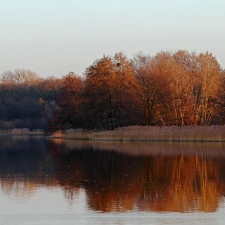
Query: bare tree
[[20, 76], [151, 92], [207, 88]]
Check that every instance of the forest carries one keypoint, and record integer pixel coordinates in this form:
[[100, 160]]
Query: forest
[[170, 88]]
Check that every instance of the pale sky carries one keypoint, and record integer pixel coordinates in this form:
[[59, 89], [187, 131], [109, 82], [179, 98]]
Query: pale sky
[[54, 37]]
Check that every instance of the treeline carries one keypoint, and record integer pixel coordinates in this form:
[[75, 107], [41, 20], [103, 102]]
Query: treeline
[[180, 88], [26, 100]]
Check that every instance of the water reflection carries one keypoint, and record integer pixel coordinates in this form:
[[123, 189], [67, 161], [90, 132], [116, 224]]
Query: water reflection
[[24, 166], [159, 177]]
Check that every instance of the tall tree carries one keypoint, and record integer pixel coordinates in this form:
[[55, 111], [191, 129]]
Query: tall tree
[[208, 79], [111, 92], [151, 89], [68, 113], [181, 87]]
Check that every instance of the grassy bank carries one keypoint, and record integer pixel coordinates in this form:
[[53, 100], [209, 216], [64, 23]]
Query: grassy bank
[[145, 133]]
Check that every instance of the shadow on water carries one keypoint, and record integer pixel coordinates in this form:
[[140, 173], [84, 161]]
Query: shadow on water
[[118, 177]]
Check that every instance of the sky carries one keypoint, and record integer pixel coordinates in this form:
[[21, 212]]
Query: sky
[[55, 37]]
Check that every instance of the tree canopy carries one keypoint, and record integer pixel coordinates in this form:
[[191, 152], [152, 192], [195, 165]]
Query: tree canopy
[[169, 88]]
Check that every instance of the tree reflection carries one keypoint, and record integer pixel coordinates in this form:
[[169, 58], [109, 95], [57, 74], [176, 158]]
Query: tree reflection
[[115, 181], [183, 183], [119, 182], [24, 166]]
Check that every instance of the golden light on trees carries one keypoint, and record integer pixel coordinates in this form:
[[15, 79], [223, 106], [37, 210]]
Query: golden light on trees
[[179, 88], [170, 88], [111, 92]]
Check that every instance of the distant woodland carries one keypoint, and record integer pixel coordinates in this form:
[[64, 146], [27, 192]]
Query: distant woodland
[[169, 88]]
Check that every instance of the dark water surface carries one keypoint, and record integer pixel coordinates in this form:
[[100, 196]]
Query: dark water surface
[[55, 182]]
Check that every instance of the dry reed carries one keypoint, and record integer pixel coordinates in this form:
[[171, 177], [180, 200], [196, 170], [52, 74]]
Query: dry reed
[[150, 133]]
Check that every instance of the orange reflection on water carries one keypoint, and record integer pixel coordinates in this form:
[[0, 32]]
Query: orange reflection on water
[[162, 183], [118, 181]]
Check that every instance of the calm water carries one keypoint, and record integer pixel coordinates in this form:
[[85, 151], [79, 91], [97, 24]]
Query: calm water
[[55, 182]]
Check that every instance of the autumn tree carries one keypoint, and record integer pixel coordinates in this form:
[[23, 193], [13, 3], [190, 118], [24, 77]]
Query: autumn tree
[[221, 116], [152, 91], [190, 84], [208, 80], [68, 113], [181, 87], [111, 93]]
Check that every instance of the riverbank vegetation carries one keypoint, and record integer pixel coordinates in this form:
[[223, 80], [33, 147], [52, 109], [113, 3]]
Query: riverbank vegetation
[[212, 133], [145, 93]]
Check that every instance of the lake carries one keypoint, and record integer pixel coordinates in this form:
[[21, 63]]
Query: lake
[[54, 181]]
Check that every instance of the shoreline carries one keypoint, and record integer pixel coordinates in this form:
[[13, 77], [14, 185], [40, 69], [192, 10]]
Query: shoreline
[[22, 131], [213, 133], [150, 134]]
